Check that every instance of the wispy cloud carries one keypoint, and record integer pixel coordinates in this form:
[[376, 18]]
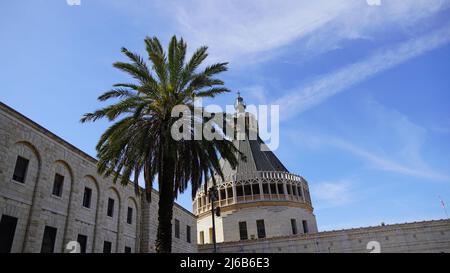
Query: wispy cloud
[[248, 32], [386, 164], [441, 126], [242, 30], [398, 149], [303, 98], [253, 30], [256, 93], [332, 193], [375, 160]]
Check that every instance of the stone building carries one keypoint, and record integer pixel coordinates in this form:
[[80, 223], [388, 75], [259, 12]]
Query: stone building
[[259, 198], [417, 237], [264, 208], [51, 194]]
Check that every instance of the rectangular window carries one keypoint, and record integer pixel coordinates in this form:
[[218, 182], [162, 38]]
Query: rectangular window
[[87, 197], [107, 246], [202, 237], [247, 190], [239, 190], [261, 228], [130, 215], [294, 226], [273, 188], [230, 192], [82, 240], [222, 194], [255, 188], [58, 185], [110, 211], [20, 170], [307, 196], [265, 188], [7, 230], [305, 226], [48, 241], [127, 249], [210, 235], [280, 189], [188, 234], [177, 229], [243, 230]]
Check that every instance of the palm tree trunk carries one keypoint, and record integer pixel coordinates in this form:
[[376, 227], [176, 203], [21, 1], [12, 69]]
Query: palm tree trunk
[[165, 205], [165, 212]]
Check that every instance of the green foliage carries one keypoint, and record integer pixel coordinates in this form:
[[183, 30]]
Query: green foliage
[[139, 140]]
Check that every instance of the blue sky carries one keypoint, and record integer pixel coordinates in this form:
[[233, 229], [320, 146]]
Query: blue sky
[[363, 90]]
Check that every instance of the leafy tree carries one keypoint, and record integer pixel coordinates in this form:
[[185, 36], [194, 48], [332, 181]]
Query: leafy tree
[[140, 141]]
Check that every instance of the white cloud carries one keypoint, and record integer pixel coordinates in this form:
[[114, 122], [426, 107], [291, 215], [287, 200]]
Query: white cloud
[[398, 147], [245, 31], [386, 164], [254, 30], [381, 161], [303, 98], [236, 29], [255, 93], [441, 126], [332, 194]]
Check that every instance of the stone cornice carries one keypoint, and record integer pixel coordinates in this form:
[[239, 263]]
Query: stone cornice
[[334, 233]]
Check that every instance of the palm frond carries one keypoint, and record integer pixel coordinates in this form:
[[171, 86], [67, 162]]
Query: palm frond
[[116, 93]]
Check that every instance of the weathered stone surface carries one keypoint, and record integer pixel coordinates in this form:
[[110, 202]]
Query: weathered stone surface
[[426, 236], [33, 203], [35, 207]]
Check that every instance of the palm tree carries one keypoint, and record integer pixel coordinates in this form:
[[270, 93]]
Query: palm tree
[[140, 138]]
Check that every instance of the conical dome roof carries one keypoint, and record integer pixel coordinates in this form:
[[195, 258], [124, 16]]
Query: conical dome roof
[[254, 158]]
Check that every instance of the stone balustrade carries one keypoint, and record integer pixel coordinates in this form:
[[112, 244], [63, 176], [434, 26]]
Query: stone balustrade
[[254, 187]]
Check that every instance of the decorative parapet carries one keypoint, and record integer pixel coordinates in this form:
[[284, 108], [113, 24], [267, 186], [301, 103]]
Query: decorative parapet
[[421, 236], [255, 187]]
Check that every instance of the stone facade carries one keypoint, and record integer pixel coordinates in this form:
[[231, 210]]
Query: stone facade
[[185, 218], [277, 221], [417, 237], [259, 198], [116, 214], [34, 203]]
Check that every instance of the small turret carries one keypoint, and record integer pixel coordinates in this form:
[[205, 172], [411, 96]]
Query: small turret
[[239, 105]]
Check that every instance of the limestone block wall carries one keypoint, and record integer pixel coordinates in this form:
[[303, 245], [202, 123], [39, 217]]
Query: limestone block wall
[[150, 227], [204, 224], [277, 221], [426, 236], [35, 206]]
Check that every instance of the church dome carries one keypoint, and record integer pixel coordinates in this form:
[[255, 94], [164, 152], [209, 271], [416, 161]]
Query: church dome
[[260, 180]]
